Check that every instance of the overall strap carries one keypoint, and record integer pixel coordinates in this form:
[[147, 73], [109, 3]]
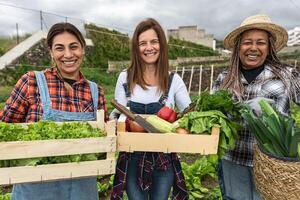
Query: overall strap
[[43, 90], [95, 94], [162, 100], [127, 92]]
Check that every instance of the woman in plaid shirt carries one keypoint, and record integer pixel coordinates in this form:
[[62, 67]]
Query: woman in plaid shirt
[[255, 72], [60, 93]]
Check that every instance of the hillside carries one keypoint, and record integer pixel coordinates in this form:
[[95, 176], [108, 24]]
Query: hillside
[[181, 48], [108, 45], [7, 43]]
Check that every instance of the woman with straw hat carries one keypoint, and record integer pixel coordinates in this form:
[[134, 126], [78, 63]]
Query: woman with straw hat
[[255, 72]]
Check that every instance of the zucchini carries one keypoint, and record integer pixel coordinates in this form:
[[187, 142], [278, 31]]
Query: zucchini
[[161, 124]]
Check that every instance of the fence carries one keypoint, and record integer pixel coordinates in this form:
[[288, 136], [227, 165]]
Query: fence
[[198, 77]]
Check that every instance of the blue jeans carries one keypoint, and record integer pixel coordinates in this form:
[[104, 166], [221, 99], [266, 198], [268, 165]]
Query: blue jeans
[[236, 181], [162, 182]]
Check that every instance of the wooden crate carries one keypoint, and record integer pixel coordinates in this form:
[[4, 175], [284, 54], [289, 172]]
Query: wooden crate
[[166, 142], [48, 148]]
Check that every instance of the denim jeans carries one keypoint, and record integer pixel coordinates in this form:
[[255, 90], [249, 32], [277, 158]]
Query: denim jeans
[[236, 181], [162, 182]]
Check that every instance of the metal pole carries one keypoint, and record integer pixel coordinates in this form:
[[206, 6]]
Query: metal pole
[[17, 29], [41, 19]]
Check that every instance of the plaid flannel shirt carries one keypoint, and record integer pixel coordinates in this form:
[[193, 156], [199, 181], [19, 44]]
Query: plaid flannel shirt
[[265, 85], [149, 162], [24, 104]]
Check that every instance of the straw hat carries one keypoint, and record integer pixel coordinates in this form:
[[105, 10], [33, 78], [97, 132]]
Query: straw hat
[[262, 22]]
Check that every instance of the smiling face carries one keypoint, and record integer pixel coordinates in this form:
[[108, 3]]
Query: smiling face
[[67, 53], [149, 47], [254, 48]]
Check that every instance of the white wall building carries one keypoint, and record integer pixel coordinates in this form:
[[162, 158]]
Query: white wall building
[[294, 37], [193, 34]]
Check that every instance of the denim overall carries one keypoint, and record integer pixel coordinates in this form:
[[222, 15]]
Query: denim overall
[[73, 189], [162, 181]]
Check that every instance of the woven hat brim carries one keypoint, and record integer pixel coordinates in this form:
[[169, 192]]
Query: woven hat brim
[[279, 33]]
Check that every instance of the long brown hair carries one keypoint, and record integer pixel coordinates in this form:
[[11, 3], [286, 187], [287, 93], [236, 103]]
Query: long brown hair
[[137, 67], [232, 81]]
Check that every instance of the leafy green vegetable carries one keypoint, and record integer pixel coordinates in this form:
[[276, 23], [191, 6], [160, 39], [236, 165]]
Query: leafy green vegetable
[[221, 100], [295, 110], [45, 130], [274, 132], [203, 122], [196, 173]]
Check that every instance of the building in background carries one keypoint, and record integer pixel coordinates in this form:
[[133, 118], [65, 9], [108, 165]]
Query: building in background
[[193, 34], [294, 37]]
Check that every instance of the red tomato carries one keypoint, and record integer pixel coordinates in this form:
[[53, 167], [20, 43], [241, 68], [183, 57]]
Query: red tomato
[[167, 114]]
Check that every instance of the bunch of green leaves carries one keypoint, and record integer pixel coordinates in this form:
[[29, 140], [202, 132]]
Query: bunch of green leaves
[[196, 173], [104, 187], [3, 196], [295, 111], [274, 132], [203, 122], [6, 196], [46, 130], [221, 100]]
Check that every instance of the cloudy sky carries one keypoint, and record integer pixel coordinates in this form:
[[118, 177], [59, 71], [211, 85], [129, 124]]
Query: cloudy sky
[[217, 17]]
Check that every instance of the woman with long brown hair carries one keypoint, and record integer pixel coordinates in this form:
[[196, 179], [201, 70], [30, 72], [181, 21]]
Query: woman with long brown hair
[[145, 87]]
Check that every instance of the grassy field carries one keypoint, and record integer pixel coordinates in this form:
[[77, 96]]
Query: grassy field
[[6, 44], [4, 94]]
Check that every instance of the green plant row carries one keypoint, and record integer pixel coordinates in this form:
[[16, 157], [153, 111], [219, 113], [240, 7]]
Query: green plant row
[[195, 174]]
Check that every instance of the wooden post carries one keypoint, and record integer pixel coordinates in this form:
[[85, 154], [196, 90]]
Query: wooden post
[[200, 79], [182, 72], [191, 78], [295, 65], [211, 78], [111, 133], [176, 69]]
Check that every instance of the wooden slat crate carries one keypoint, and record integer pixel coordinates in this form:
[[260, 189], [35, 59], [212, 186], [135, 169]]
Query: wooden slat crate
[[166, 142], [48, 148]]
